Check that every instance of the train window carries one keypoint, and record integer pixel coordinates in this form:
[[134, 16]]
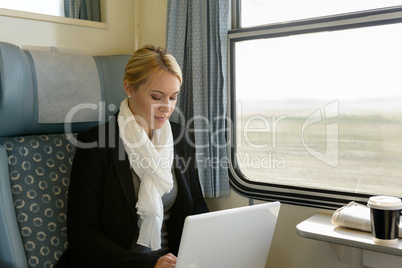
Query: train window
[[316, 106], [259, 12], [48, 7]]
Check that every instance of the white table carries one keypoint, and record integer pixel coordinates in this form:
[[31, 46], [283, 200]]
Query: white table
[[344, 240]]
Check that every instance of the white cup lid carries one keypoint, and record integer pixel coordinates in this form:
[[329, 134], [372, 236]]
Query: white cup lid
[[385, 202]]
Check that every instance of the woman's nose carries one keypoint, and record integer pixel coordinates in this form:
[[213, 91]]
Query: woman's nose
[[166, 107]]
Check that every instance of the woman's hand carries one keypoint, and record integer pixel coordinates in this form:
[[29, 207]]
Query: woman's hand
[[168, 260]]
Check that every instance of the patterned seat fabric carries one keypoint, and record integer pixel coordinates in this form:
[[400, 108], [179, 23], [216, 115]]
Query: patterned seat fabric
[[39, 169]]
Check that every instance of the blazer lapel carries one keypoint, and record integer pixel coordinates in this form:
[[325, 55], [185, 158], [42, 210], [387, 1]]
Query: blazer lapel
[[123, 168]]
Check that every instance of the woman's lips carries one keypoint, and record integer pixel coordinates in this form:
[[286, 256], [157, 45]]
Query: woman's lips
[[160, 119]]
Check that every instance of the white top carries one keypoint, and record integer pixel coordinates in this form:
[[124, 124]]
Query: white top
[[385, 202], [319, 227]]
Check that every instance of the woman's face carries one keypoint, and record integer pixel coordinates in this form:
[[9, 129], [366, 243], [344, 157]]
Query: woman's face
[[153, 102]]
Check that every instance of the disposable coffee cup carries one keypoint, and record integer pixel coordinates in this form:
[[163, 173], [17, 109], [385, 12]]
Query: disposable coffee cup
[[384, 215]]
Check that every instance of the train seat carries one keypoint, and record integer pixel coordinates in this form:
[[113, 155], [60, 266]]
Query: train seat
[[46, 97]]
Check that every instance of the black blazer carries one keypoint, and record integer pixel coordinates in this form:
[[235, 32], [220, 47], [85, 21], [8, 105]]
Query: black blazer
[[101, 218]]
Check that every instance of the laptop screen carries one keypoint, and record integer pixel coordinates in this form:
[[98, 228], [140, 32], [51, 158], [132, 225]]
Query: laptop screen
[[232, 238]]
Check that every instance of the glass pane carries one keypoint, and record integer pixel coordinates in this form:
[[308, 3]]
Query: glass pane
[[47, 7], [322, 110], [260, 12]]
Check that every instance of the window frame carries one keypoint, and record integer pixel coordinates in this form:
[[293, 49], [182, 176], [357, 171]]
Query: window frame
[[296, 195]]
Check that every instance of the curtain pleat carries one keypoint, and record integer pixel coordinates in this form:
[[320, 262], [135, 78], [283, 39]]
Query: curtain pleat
[[82, 9], [197, 37]]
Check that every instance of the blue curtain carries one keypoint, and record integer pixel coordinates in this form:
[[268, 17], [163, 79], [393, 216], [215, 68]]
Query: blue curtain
[[82, 9], [197, 37]]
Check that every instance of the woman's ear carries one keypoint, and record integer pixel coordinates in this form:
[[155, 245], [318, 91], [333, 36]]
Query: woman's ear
[[127, 88]]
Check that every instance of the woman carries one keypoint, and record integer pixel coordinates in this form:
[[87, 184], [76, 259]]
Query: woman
[[129, 194]]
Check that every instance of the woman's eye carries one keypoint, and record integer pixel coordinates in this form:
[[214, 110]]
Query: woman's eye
[[156, 97]]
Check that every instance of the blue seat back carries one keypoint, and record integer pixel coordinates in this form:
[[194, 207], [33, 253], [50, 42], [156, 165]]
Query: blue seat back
[[36, 157], [39, 174]]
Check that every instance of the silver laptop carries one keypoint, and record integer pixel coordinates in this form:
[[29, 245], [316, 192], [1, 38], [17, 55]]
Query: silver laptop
[[232, 238]]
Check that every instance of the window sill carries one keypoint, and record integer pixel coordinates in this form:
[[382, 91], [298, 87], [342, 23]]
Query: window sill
[[344, 240], [54, 19]]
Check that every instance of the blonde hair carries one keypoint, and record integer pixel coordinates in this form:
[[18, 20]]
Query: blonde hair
[[147, 60]]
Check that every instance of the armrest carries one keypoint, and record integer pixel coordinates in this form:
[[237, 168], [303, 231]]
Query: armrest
[[12, 252]]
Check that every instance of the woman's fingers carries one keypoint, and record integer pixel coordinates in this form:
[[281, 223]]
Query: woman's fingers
[[166, 261]]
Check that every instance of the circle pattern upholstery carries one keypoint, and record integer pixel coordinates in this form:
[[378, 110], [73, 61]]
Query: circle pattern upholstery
[[39, 169]]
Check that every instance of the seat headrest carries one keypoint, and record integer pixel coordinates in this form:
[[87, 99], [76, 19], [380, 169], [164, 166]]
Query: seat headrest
[[52, 92]]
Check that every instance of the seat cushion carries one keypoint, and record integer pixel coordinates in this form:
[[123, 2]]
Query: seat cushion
[[39, 172]]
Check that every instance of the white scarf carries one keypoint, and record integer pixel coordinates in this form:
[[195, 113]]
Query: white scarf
[[152, 162]]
